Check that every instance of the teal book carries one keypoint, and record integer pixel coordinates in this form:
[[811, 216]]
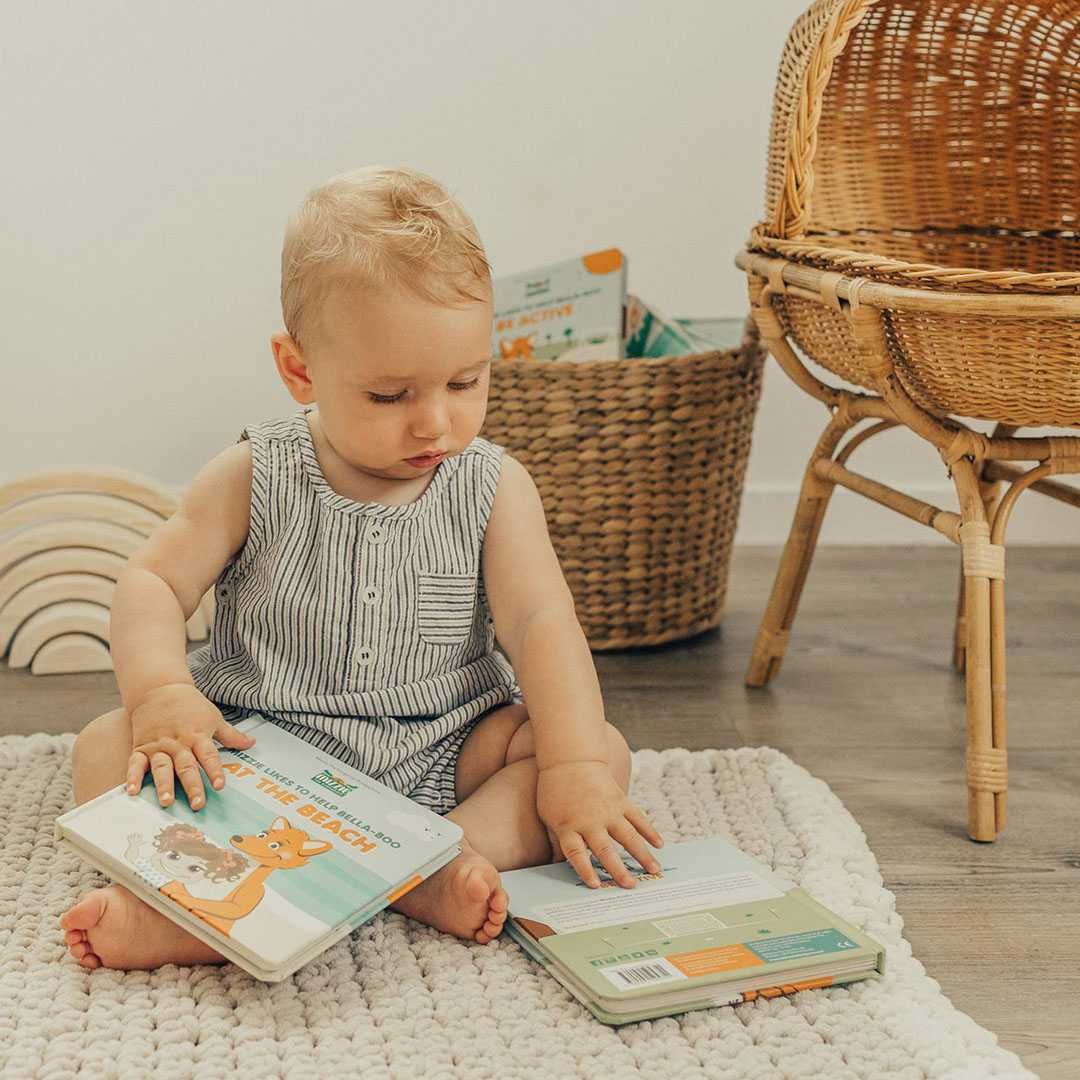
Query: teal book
[[714, 333], [713, 927], [294, 852], [649, 333]]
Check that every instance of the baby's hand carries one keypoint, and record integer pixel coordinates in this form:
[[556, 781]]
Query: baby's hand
[[583, 807], [173, 727]]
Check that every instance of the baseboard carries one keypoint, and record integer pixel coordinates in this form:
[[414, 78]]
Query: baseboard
[[767, 510]]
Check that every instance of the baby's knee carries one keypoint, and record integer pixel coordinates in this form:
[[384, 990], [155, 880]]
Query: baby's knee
[[100, 754]]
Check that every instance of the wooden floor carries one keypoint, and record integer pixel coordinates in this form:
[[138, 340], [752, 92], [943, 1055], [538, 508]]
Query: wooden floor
[[867, 701]]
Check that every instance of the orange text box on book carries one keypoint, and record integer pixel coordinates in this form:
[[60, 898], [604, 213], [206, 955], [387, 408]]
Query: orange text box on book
[[710, 961]]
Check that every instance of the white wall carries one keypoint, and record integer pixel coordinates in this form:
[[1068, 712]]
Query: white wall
[[153, 152]]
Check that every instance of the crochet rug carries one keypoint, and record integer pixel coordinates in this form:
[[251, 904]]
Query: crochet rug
[[397, 999]]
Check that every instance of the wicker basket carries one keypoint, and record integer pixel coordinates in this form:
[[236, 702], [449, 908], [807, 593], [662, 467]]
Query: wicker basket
[[640, 466], [936, 146]]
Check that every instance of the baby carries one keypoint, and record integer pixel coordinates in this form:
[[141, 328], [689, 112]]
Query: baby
[[366, 554]]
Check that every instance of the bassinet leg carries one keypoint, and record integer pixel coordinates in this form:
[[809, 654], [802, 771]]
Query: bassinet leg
[[991, 493], [986, 775], [775, 629], [960, 627]]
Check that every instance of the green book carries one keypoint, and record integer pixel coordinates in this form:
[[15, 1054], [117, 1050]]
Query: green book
[[294, 852], [714, 927], [651, 334], [714, 333]]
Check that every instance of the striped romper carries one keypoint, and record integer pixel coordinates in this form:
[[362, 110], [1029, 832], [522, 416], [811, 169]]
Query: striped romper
[[362, 628]]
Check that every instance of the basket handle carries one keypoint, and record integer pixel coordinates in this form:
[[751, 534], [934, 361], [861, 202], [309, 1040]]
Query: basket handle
[[791, 213]]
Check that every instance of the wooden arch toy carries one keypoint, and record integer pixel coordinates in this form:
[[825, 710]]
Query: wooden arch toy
[[64, 538]]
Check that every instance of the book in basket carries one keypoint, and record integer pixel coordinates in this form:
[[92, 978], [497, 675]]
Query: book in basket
[[296, 850], [714, 927], [569, 310]]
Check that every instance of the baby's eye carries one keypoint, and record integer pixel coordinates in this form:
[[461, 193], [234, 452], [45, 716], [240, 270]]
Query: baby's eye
[[273, 845], [172, 855], [387, 399]]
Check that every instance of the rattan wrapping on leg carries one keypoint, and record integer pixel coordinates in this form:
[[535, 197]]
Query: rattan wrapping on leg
[[987, 770], [640, 466], [981, 558]]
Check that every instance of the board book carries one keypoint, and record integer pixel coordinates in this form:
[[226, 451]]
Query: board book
[[569, 310], [714, 927], [294, 852]]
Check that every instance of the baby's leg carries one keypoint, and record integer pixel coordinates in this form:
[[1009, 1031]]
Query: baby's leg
[[111, 927], [502, 832], [499, 817]]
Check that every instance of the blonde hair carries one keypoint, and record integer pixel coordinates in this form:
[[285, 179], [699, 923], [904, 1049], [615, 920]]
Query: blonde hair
[[375, 227]]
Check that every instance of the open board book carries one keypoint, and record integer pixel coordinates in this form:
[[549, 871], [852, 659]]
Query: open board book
[[295, 851], [714, 927]]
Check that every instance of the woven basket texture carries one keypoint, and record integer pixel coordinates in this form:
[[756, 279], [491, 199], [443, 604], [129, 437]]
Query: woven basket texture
[[936, 146], [640, 465]]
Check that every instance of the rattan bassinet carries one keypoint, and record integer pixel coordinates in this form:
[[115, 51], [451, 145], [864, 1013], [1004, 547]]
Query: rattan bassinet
[[920, 242]]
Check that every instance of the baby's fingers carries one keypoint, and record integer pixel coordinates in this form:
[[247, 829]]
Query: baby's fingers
[[609, 858], [576, 852], [161, 765], [632, 840], [637, 818], [135, 771], [209, 759]]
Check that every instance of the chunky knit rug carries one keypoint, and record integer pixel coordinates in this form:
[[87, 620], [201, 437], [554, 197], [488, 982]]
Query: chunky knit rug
[[399, 1000]]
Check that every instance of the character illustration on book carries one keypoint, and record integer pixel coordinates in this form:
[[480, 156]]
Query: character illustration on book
[[517, 348], [183, 853], [280, 847]]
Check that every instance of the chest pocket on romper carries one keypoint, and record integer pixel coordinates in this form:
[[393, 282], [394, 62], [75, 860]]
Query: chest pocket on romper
[[445, 607]]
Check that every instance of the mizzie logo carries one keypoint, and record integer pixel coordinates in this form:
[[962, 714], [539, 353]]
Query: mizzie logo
[[332, 782]]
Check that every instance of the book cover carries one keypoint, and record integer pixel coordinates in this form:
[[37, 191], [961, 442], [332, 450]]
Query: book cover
[[569, 310], [651, 334], [295, 851], [713, 921], [714, 333]]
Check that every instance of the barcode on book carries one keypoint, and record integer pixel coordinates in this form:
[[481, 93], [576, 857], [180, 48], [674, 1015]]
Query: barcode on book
[[643, 973]]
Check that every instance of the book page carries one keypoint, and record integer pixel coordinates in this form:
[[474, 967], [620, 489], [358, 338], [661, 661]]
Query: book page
[[652, 899]]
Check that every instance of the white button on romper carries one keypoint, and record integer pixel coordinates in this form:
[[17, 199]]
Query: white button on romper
[[362, 628]]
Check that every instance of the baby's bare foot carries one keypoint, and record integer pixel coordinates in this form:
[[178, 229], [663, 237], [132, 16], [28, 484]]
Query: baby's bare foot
[[463, 898], [113, 928]]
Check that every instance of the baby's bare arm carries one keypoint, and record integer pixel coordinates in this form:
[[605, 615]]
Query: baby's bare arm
[[536, 623], [578, 800], [164, 580]]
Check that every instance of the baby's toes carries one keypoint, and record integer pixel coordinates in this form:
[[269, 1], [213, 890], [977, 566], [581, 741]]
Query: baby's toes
[[80, 949], [492, 927]]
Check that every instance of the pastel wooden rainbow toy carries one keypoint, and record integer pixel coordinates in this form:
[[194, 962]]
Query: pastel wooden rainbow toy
[[64, 537]]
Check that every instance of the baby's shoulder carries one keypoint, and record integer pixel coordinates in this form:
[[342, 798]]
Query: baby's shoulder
[[276, 429]]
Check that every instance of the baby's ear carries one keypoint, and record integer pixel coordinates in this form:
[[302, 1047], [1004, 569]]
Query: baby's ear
[[292, 368]]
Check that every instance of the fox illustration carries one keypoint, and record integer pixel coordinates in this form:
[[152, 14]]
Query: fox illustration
[[518, 348], [280, 847]]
